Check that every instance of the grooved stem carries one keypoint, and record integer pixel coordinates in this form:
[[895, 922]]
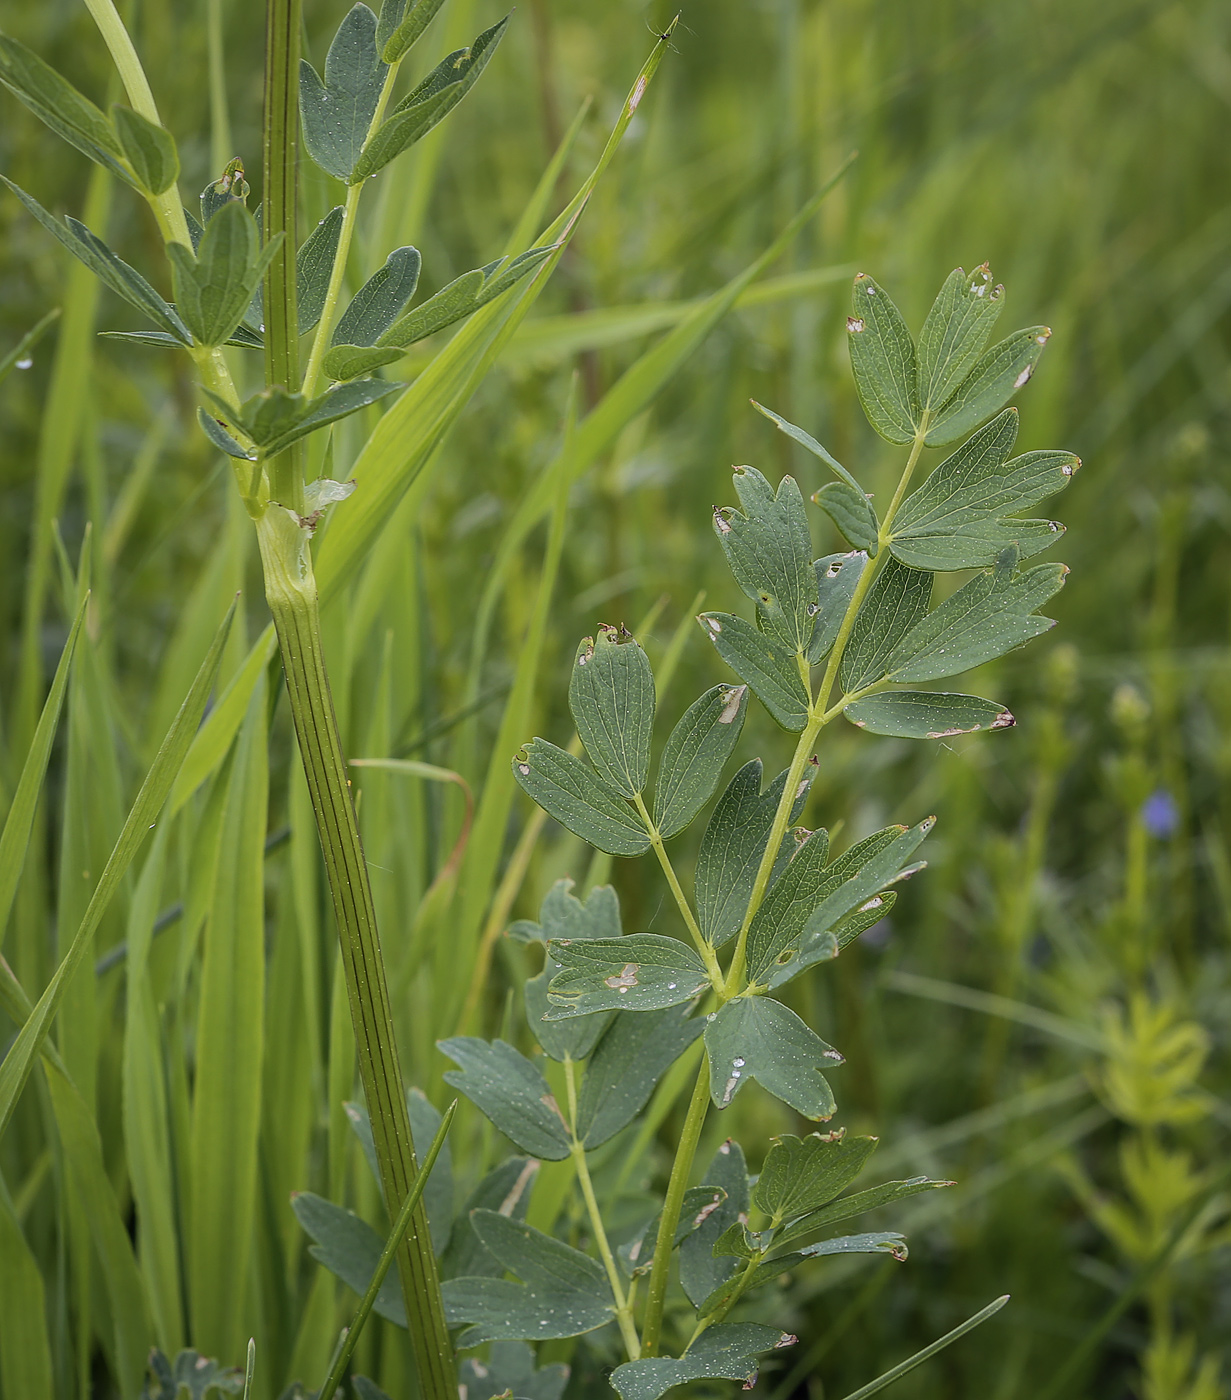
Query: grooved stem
[[290, 588]]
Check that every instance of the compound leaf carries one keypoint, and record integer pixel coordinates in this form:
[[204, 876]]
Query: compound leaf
[[733, 845], [754, 1037], [630, 1059], [696, 752], [895, 603], [883, 361], [639, 972], [337, 112], [927, 714], [730, 1350], [511, 1091], [561, 1040], [847, 1207], [697, 1206], [806, 440], [766, 664], [773, 1268], [401, 24], [611, 696], [956, 330], [769, 549], [775, 933], [214, 288], [579, 799]]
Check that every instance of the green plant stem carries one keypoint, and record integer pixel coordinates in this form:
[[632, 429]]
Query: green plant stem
[[623, 1309], [740, 1288], [337, 273], [283, 20], [220, 143], [351, 1337], [703, 946], [290, 588], [681, 1169]]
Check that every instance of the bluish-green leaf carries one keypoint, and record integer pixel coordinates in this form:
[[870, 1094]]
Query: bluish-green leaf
[[733, 845], [781, 1264], [148, 148], [803, 1174], [992, 614], [573, 793], [563, 1294], [424, 1122], [958, 518], [955, 332], [639, 972], [883, 361], [428, 103], [858, 1203], [337, 402], [698, 1204], [505, 1188], [221, 439], [769, 549], [338, 111], [775, 932], [213, 289], [563, 915], [190, 1376], [695, 754], [851, 511], [701, 1270], [997, 375], [572, 1039], [630, 1059], [380, 301], [401, 24], [766, 664], [758, 1038], [927, 714], [611, 696], [55, 101], [313, 265], [806, 440], [837, 576], [112, 271], [895, 603], [511, 1091], [349, 1248], [230, 186], [509, 1369], [730, 1350]]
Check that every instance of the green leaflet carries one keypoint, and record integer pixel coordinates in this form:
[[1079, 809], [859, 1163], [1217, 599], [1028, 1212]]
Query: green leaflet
[[148, 148], [563, 915], [214, 288], [851, 511], [837, 576], [313, 265], [509, 1370], [463, 296], [349, 1248], [757, 1038], [230, 186], [380, 301], [956, 330], [895, 603], [993, 381], [191, 1373], [698, 1204], [611, 696], [511, 1092], [927, 714], [883, 361], [847, 1207], [425, 1121], [730, 1350], [506, 1188], [573, 1039], [732, 847], [563, 1294], [959, 517], [695, 754], [579, 799], [701, 1270], [769, 548], [401, 24], [773, 1268], [337, 112], [990, 615], [274, 418], [630, 1059], [807, 440], [803, 1174], [112, 271], [765, 664], [57, 103], [639, 972], [774, 934], [222, 440], [430, 102]]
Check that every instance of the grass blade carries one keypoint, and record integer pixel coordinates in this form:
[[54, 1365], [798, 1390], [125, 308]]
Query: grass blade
[[25, 1352]]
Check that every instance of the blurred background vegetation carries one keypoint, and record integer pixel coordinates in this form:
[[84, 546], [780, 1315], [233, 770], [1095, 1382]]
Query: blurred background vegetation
[[1046, 1017]]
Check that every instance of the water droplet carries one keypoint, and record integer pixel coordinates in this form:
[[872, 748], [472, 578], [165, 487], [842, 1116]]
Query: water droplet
[[25, 363]]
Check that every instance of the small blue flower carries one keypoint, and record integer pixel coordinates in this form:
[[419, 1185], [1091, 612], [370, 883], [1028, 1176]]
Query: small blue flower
[[1160, 814]]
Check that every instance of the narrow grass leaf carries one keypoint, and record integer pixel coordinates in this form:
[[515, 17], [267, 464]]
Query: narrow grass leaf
[[20, 354], [25, 1349]]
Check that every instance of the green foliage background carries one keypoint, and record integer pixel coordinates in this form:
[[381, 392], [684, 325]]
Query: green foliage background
[[1078, 146]]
